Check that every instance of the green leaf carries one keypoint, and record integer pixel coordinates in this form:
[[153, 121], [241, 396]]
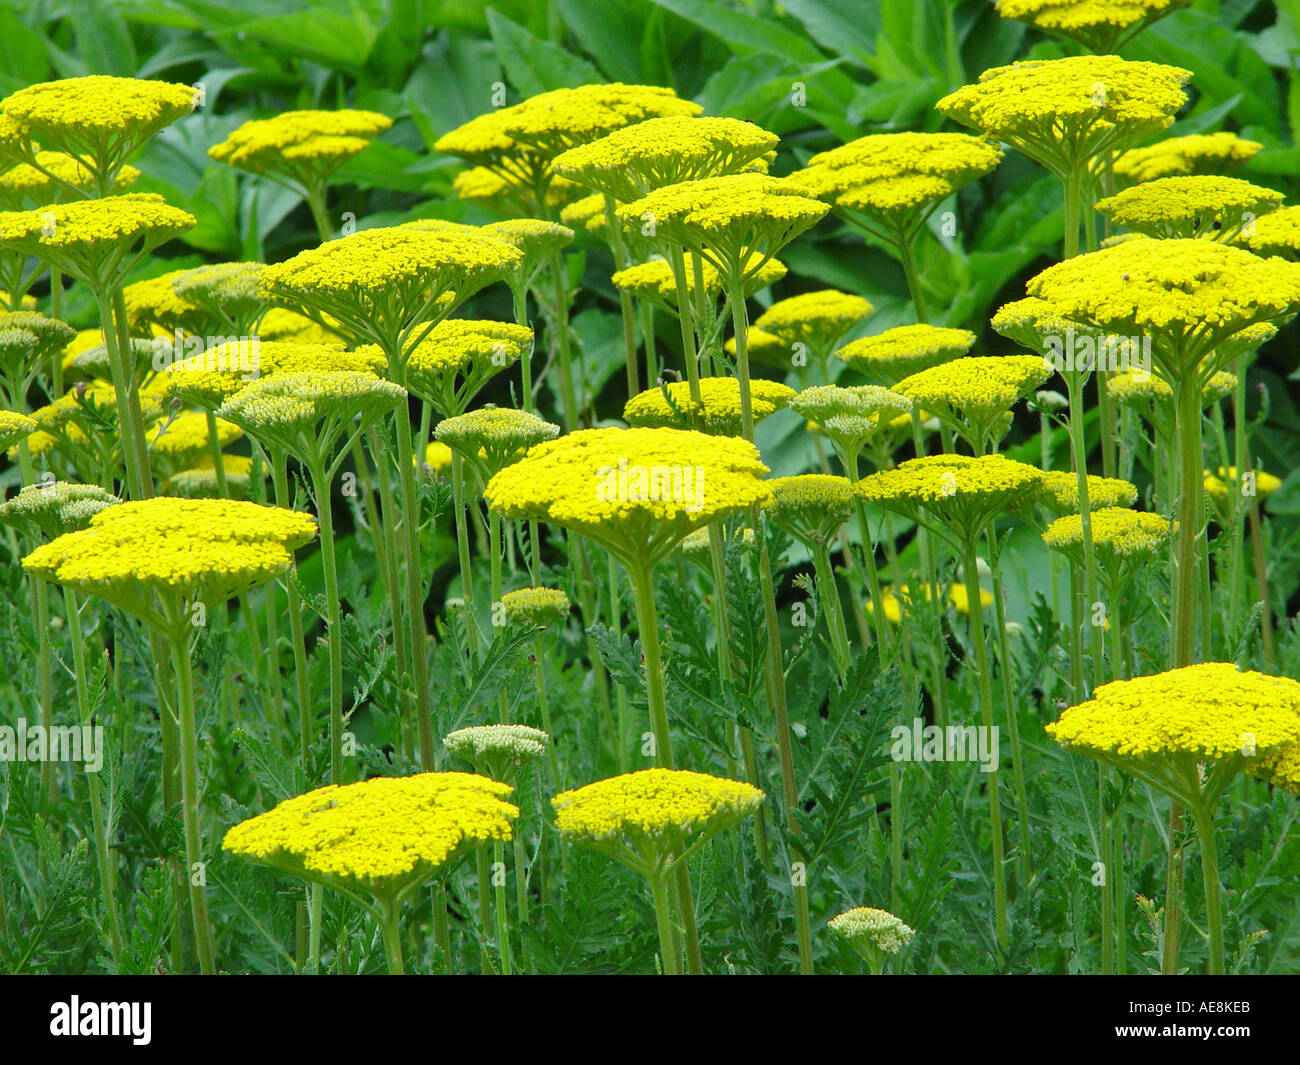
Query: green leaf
[[534, 65], [102, 37], [744, 32]]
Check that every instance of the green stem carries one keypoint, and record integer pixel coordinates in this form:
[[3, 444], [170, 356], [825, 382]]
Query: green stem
[[333, 615], [1213, 891], [302, 676], [664, 923], [906, 254]]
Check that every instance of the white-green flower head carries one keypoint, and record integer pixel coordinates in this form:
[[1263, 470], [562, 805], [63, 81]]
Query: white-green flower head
[[53, 508], [493, 437], [850, 416], [498, 749], [872, 933], [535, 608]]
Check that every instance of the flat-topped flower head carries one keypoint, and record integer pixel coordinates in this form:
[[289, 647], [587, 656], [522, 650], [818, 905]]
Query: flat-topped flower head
[[956, 495], [28, 341], [149, 556], [815, 319], [480, 185], [654, 281], [850, 416], [1187, 295], [537, 240], [457, 357], [1206, 712], [974, 394], [52, 508], [494, 437], [1152, 397], [498, 751], [156, 303], [98, 119], [229, 292], [717, 411], [200, 481], [734, 222], [52, 176], [637, 492], [280, 323], [305, 414], [697, 547], [180, 440], [553, 122], [14, 427], [535, 608], [890, 182], [1060, 112], [872, 930], [1277, 233], [811, 507], [1254, 485], [1197, 153], [1100, 25], [638, 159], [653, 811], [1038, 325], [1281, 768], [301, 146], [888, 357], [1192, 206], [764, 347], [95, 241], [1060, 492], [379, 283], [1123, 540], [437, 458], [382, 837]]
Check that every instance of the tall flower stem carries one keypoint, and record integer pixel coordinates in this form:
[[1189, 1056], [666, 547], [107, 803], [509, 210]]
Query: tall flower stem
[[392, 583], [648, 625], [560, 323], [302, 678], [976, 622], [614, 231], [1204, 817], [391, 930], [333, 614], [664, 923], [833, 609], [1079, 452], [178, 637], [139, 484], [1024, 865], [775, 666], [462, 549], [907, 256], [214, 449]]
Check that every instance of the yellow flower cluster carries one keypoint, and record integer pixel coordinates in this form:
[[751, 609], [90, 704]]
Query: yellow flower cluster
[[888, 357], [183, 438], [298, 143], [50, 173], [638, 492], [816, 319], [207, 550], [812, 506], [229, 291], [382, 836], [1058, 109], [1100, 24], [892, 600], [1209, 711], [1121, 538], [1192, 206], [14, 427], [494, 436], [50, 509], [653, 809], [98, 110], [1197, 153], [200, 481], [974, 395], [1277, 233], [208, 378], [535, 608], [1188, 295], [654, 280], [1060, 492], [717, 411], [733, 216], [1216, 484], [637, 159], [155, 302], [894, 176]]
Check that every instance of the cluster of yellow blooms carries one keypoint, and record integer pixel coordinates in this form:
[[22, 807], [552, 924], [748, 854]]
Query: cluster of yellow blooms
[[717, 411], [535, 608]]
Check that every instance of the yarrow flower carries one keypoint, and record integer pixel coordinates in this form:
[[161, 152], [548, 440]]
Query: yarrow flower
[[1100, 25], [894, 598], [872, 933], [812, 507], [1193, 206], [50, 509], [181, 550], [230, 293], [849, 417], [500, 750], [1197, 153], [382, 837], [1261, 485], [494, 437], [1060, 492], [654, 281], [888, 357], [817, 320], [301, 146], [1061, 111], [1123, 541], [1277, 233], [716, 412], [183, 438], [535, 608], [200, 481], [50, 176], [637, 492], [14, 427], [638, 159], [974, 395]]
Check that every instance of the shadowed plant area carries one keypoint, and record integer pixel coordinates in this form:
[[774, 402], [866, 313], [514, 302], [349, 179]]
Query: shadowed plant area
[[660, 487]]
